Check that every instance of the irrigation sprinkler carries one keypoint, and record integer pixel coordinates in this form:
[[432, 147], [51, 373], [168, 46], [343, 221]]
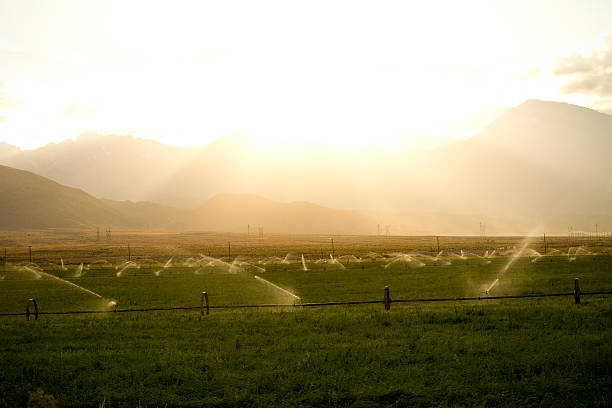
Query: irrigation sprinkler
[[387, 299], [202, 299], [31, 301], [576, 291]]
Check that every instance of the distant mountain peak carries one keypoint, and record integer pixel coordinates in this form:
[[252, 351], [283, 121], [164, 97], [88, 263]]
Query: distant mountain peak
[[536, 119], [550, 108]]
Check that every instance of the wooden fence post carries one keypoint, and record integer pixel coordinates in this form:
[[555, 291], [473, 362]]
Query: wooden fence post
[[33, 301], [576, 291], [387, 299], [202, 299]]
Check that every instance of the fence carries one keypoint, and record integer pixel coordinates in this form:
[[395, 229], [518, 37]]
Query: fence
[[205, 306]]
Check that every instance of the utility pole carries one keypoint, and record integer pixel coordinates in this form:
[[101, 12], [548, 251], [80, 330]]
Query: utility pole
[[30, 248], [333, 249], [438, 242], [129, 252], [545, 245], [483, 229]]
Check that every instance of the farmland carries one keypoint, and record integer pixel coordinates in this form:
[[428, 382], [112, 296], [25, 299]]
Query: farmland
[[532, 351]]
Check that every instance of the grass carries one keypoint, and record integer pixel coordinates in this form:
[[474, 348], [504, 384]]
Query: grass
[[527, 352], [519, 353]]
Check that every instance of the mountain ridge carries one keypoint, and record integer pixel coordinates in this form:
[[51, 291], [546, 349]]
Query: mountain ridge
[[537, 160]]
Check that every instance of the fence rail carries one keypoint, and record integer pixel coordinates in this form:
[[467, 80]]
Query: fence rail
[[387, 301]]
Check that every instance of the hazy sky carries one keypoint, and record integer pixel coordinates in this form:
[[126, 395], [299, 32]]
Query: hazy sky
[[350, 73]]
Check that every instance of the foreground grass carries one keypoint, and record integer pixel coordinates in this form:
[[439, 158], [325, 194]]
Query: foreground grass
[[532, 352], [526, 352]]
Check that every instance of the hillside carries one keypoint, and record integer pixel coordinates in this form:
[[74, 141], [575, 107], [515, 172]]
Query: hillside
[[32, 201]]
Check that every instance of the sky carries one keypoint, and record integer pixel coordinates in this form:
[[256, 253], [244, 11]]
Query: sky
[[351, 74]]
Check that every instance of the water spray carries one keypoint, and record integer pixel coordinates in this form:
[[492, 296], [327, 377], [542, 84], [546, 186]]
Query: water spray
[[509, 263], [79, 271], [127, 264], [71, 284], [37, 274], [166, 265], [285, 291]]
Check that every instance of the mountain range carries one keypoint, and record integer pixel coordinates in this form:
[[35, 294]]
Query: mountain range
[[32, 201], [539, 165]]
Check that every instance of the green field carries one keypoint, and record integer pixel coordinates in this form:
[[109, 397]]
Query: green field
[[524, 352]]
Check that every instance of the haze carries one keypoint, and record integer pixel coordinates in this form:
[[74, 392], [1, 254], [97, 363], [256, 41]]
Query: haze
[[348, 74]]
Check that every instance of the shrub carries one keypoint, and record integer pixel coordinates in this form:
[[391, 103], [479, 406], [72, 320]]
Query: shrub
[[38, 399]]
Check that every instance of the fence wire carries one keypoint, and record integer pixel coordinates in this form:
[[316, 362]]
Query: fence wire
[[305, 305]]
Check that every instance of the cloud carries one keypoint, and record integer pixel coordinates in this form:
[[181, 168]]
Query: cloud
[[75, 110], [7, 47], [532, 74], [572, 64], [588, 74], [8, 103]]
